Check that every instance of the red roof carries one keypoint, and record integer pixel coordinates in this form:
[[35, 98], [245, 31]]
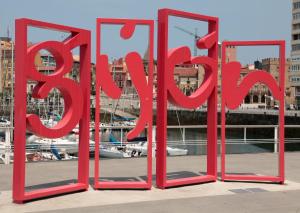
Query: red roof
[[42, 68], [188, 72]]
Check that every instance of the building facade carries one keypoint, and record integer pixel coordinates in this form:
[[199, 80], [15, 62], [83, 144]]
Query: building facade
[[294, 77], [271, 65], [6, 64], [259, 95]]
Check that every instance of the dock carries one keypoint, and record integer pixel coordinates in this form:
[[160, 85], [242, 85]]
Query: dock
[[210, 197]]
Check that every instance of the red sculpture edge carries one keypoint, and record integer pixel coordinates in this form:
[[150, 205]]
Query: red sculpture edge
[[19, 193], [163, 96], [277, 94], [114, 92]]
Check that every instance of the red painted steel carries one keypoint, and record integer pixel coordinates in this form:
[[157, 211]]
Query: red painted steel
[[144, 88], [76, 98], [168, 91], [233, 93]]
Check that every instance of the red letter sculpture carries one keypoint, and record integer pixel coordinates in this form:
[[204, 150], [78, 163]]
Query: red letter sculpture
[[143, 87], [76, 98], [168, 91], [77, 95], [233, 94]]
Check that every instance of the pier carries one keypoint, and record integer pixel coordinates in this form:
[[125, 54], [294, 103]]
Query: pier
[[210, 197]]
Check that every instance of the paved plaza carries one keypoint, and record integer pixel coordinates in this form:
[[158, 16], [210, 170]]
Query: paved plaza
[[210, 197]]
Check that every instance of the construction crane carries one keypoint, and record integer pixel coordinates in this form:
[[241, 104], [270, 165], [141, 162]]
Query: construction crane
[[195, 35]]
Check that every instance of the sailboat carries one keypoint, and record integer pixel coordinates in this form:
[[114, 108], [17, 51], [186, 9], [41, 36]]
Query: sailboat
[[112, 152], [139, 147]]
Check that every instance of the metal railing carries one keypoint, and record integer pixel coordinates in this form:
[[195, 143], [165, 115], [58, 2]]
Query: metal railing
[[179, 140]]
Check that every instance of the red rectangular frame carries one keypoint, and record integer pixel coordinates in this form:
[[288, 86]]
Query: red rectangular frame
[[19, 193], [161, 137], [256, 178], [123, 184]]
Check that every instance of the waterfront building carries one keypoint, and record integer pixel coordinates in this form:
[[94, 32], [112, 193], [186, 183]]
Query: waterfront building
[[6, 74], [259, 95], [6, 64], [45, 63], [271, 65], [294, 77]]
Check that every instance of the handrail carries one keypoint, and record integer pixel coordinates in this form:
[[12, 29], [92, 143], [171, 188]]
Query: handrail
[[204, 126], [181, 142]]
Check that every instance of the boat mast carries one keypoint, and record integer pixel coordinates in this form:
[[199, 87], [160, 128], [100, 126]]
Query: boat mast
[[1, 89], [4, 79], [12, 85], [112, 112]]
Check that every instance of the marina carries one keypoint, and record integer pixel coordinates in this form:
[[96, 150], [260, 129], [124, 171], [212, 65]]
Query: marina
[[182, 140]]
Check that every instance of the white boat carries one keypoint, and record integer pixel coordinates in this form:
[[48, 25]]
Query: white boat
[[112, 152], [61, 145], [140, 149], [67, 144], [4, 122], [2, 154], [129, 123], [31, 139], [2, 148], [176, 151], [11, 158], [51, 156]]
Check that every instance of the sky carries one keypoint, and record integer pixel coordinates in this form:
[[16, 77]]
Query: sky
[[239, 20]]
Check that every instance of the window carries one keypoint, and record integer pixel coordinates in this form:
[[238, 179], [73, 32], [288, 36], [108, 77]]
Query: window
[[295, 47], [296, 5], [295, 68], [296, 16], [295, 79], [295, 58], [296, 26], [296, 37]]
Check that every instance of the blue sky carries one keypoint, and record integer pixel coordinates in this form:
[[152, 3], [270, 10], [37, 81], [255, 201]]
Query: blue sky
[[239, 20]]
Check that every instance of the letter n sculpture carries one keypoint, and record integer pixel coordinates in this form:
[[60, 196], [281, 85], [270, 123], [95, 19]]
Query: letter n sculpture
[[76, 98], [168, 91], [233, 93]]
